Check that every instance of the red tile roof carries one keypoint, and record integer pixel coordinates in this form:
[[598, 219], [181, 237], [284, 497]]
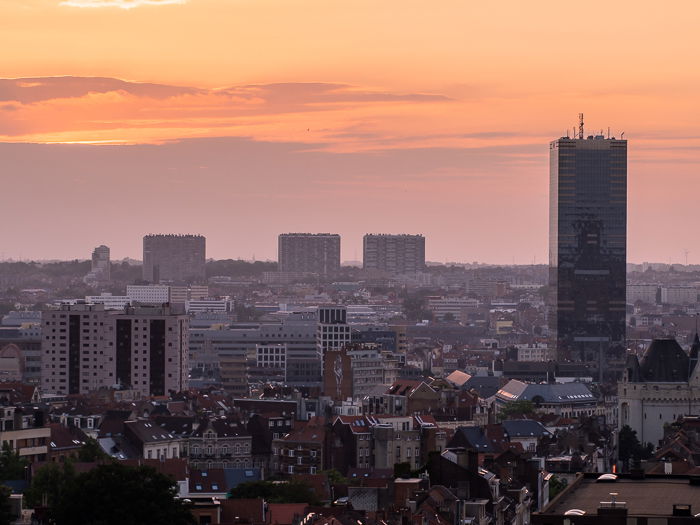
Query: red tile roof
[[284, 513]]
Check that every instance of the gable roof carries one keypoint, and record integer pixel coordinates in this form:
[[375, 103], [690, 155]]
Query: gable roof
[[664, 361], [222, 427], [525, 428], [458, 378]]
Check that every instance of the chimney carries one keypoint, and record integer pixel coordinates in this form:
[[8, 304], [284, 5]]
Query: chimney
[[682, 509]]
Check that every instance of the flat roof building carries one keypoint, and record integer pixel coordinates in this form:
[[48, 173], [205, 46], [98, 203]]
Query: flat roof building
[[317, 253], [168, 258], [395, 254]]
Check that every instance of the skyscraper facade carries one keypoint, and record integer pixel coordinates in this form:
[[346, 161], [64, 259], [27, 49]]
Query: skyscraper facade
[[317, 253], [588, 249], [393, 253], [174, 258]]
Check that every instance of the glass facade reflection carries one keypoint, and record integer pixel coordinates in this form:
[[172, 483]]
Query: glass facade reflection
[[588, 249]]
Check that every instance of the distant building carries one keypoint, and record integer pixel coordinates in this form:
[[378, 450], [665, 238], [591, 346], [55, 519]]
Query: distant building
[[659, 389], [148, 294], [455, 307], [169, 258], [395, 254], [567, 400], [309, 253], [642, 293], [100, 270], [333, 329], [681, 295], [85, 348], [588, 248], [111, 302]]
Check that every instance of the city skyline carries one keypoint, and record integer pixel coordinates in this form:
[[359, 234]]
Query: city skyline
[[425, 120]]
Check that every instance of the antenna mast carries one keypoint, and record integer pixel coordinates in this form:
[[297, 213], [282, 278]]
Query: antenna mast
[[580, 125]]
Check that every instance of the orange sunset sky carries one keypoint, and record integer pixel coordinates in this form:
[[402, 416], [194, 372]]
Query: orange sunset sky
[[241, 119]]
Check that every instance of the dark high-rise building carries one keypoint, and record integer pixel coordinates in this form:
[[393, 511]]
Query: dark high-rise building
[[171, 258], [393, 253], [317, 253], [588, 249]]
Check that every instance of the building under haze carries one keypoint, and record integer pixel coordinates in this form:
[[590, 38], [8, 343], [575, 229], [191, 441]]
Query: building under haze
[[587, 248], [393, 253], [317, 253], [85, 347], [100, 269], [174, 258]]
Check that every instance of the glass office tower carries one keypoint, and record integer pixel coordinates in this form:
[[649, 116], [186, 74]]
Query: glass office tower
[[588, 250]]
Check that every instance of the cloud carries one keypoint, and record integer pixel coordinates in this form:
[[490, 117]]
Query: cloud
[[99, 109], [122, 4], [37, 89]]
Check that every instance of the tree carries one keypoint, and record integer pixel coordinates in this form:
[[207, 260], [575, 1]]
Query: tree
[[629, 447], [6, 515], [11, 465], [335, 477], [516, 408], [114, 494], [556, 485], [291, 492], [49, 485], [91, 451], [402, 470]]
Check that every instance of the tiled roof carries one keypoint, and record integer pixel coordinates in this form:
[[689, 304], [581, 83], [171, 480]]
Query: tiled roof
[[243, 510], [148, 432], [284, 513], [525, 428], [223, 427]]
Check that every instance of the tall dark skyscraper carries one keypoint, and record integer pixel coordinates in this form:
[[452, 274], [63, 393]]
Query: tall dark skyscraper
[[588, 249]]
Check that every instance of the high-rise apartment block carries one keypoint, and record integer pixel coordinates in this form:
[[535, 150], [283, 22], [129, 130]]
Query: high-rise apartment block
[[174, 258], [317, 253], [587, 247], [101, 266], [394, 253], [85, 347]]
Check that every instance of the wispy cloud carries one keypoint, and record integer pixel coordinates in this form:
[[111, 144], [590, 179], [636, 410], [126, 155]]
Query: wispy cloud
[[121, 4]]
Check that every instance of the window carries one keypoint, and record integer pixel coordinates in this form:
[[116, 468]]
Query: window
[[313, 453], [290, 469], [312, 470], [290, 453]]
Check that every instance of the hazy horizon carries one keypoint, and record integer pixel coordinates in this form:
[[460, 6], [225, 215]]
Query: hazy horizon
[[229, 119]]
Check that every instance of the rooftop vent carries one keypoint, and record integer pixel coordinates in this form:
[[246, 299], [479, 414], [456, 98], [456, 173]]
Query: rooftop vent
[[609, 478]]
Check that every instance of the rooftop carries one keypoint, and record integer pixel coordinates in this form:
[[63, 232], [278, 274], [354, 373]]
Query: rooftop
[[651, 496]]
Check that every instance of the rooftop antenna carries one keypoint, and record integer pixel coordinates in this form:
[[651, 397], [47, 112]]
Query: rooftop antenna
[[580, 125], [686, 256]]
